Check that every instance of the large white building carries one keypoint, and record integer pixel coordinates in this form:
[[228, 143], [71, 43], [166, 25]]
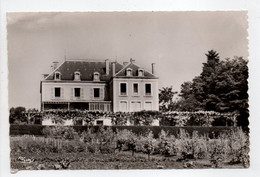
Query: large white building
[[100, 86]]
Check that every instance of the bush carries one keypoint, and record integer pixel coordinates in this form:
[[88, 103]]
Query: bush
[[216, 153], [149, 143], [166, 144], [92, 148], [60, 132], [126, 138], [87, 136], [238, 143], [191, 147]]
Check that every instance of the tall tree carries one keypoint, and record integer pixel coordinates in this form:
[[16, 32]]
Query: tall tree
[[222, 86]]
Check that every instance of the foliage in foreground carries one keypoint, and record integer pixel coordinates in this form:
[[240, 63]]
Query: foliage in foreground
[[231, 148]]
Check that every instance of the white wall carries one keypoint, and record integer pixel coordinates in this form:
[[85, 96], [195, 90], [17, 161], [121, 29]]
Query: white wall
[[67, 91], [130, 97]]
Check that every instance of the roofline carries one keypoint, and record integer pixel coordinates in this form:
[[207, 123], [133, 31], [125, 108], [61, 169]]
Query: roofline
[[146, 70], [54, 70], [137, 77], [122, 69], [88, 60], [72, 81], [137, 66]]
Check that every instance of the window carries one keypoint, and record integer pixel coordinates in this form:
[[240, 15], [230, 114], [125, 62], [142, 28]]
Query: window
[[148, 105], [77, 76], [140, 72], [96, 92], [57, 76], [148, 90], [57, 92], [123, 89], [96, 76], [136, 106], [128, 72], [77, 92], [135, 88], [123, 106]]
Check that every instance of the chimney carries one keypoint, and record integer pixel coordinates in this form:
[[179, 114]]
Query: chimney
[[153, 68], [131, 60], [55, 65], [113, 68], [107, 66]]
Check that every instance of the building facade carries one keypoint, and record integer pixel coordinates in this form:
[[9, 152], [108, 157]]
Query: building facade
[[99, 86]]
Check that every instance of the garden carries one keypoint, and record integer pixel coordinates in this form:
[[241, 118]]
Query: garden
[[62, 147]]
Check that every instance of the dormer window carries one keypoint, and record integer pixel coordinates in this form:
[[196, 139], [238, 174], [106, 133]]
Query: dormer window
[[57, 76], [77, 76], [140, 72], [129, 72], [96, 76]]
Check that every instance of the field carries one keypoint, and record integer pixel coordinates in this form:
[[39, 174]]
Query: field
[[64, 148]]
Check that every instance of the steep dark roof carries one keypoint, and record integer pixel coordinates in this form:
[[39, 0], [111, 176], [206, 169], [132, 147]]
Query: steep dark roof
[[86, 69], [134, 67]]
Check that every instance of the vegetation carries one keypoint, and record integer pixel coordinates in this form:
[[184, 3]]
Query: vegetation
[[222, 87], [165, 151], [199, 130], [38, 130]]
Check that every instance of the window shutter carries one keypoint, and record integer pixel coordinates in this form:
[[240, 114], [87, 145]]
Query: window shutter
[[101, 93], [52, 93], [82, 93]]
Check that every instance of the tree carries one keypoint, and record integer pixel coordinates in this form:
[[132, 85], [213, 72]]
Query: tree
[[188, 102], [222, 87], [16, 114], [166, 98]]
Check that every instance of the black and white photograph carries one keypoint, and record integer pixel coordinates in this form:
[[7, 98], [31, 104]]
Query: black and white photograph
[[128, 90]]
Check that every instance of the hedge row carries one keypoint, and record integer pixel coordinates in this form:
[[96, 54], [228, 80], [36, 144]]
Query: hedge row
[[38, 129], [174, 118]]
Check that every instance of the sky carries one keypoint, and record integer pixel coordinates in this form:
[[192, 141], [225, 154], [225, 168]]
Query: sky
[[175, 41]]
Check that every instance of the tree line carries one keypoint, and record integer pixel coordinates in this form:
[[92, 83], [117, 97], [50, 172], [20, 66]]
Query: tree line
[[222, 87]]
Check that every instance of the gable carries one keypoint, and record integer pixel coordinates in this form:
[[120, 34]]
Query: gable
[[134, 67]]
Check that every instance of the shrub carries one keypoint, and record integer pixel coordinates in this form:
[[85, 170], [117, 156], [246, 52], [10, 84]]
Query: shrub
[[191, 147], [216, 153], [107, 148], [238, 143], [149, 143], [87, 136], [166, 144], [92, 148], [128, 139], [60, 132]]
